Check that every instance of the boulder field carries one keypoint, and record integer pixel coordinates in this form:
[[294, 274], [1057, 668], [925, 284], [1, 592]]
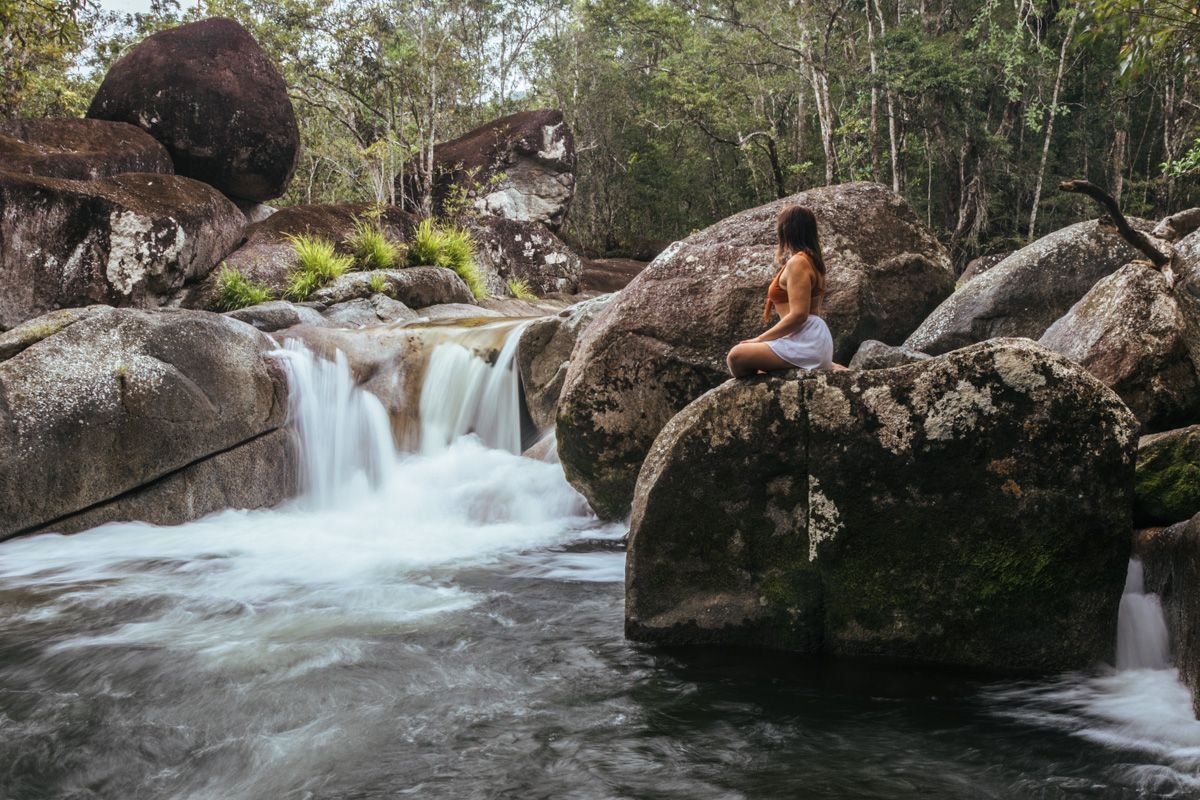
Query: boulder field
[[121, 414], [662, 342], [968, 510], [1027, 291]]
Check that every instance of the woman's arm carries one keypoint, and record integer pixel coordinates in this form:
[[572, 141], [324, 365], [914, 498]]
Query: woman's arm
[[799, 274]]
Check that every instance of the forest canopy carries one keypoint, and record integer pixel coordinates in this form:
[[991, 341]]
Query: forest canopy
[[685, 111]]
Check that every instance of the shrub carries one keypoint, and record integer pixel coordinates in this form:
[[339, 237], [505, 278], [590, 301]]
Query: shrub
[[447, 247], [377, 283], [317, 263], [371, 247], [235, 290], [519, 288]]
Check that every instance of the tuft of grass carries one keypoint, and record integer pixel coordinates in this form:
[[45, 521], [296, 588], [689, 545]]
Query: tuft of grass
[[235, 290], [377, 283], [448, 247], [519, 288], [317, 263], [371, 247]]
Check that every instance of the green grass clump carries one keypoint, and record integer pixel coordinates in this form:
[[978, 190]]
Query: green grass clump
[[317, 263], [377, 283], [235, 290], [447, 247], [519, 288], [371, 247]]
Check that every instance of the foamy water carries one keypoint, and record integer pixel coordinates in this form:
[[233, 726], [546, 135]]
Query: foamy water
[[448, 624]]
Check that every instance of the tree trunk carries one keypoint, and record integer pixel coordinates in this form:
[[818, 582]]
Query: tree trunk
[[1062, 62], [873, 131]]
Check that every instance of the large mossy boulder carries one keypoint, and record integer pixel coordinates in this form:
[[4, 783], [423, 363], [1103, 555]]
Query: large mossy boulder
[[1171, 562], [1027, 291], [79, 149], [1168, 477], [662, 342], [969, 510], [519, 167], [120, 405], [130, 240], [209, 93], [1132, 331]]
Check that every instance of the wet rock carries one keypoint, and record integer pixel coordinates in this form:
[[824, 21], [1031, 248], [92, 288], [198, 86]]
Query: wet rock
[[128, 240], [257, 474], [1026, 292], [1168, 477], [541, 307], [122, 399], [209, 93], [267, 255], [449, 311], [545, 353], [276, 315], [520, 167], [374, 310], [877, 355], [1132, 333], [1171, 559], [662, 342], [527, 251], [79, 149], [415, 287], [609, 274], [969, 510]]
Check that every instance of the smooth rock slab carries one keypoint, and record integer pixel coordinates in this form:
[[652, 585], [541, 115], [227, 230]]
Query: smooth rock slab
[[120, 399], [544, 355], [970, 510]]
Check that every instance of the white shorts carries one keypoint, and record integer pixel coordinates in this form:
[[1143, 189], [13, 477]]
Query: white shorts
[[811, 347]]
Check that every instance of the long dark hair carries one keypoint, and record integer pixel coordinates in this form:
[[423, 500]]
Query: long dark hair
[[797, 229]]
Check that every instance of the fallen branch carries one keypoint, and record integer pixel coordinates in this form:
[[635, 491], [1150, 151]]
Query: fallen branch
[[1138, 239]]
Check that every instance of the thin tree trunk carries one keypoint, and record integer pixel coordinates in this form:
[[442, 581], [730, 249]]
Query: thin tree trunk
[[1136, 238], [1062, 62], [873, 131]]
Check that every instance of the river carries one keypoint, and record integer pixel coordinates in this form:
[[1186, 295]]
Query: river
[[448, 624]]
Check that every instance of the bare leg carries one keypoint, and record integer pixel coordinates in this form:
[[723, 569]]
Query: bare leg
[[750, 358]]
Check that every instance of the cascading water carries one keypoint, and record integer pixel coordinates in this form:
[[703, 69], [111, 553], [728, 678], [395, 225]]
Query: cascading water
[[447, 624], [344, 433], [464, 393], [1142, 641]]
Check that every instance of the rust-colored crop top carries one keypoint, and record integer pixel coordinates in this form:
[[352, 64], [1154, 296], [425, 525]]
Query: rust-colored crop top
[[777, 295]]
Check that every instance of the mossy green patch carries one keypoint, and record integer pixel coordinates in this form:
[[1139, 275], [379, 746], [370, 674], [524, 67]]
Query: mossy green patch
[[1167, 485]]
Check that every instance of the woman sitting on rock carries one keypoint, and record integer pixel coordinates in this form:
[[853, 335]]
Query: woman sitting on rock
[[800, 338]]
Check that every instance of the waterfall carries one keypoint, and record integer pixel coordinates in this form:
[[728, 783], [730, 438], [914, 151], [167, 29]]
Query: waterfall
[[466, 392], [1142, 641], [344, 432]]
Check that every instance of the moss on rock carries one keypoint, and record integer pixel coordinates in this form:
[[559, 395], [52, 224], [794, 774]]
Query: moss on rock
[[1167, 486]]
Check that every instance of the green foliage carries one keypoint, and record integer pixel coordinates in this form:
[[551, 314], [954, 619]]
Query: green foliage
[[371, 247], [519, 288], [377, 283], [317, 263], [449, 247], [234, 290]]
